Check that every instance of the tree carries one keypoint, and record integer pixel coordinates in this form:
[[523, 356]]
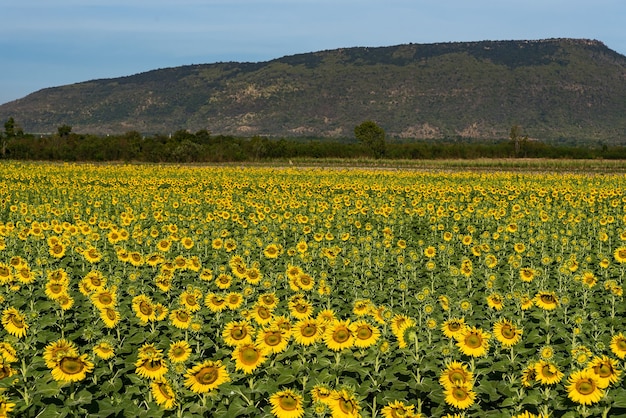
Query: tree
[[517, 139], [373, 136], [64, 131]]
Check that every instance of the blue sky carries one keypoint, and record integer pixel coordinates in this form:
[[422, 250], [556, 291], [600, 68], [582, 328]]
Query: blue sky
[[47, 43]]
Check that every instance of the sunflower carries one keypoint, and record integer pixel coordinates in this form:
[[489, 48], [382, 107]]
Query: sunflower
[[206, 275], [5, 406], [286, 404], [326, 316], [305, 281], [338, 335], [104, 298], [53, 351], [234, 300], [163, 393], [583, 387], [273, 340], [179, 351], [190, 300], [507, 333], [143, 308], [104, 350], [25, 275], [253, 275], [223, 281], [495, 301], [248, 357], [399, 322], [321, 393], [526, 302], [269, 300], [71, 368], [301, 308], [589, 279], [365, 334], [272, 251], [618, 345], [453, 327], [430, 252], [215, 302], [13, 322], [473, 342], [547, 373], [7, 352], [460, 396], [6, 371], [343, 404], [398, 409], [620, 255], [546, 300], [456, 373], [361, 307], [261, 314], [92, 255], [110, 316], [148, 351], [206, 376], [55, 290], [5, 274], [307, 331], [180, 318], [237, 333], [151, 366], [527, 274], [606, 370]]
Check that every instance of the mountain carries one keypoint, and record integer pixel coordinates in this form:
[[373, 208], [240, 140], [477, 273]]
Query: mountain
[[560, 90]]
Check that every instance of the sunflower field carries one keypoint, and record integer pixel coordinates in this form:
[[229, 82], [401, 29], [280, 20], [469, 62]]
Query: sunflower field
[[150, 291]]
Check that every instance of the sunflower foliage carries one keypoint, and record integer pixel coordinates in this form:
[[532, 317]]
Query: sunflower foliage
[[214, 291]]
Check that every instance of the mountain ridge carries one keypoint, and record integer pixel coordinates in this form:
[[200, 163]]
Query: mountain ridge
[[559, 90]]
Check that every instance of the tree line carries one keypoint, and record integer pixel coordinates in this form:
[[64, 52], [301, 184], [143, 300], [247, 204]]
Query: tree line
[[369, 141]]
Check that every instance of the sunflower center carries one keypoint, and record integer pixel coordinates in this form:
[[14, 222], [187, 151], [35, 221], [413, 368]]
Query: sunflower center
[[145, 308], [454, 326], [547, 371], [288, 402], [234, 299], [152, 365], [585, 386], [207, 375], [603, 370], [95, 281], [473, 340], [508, 331], [191, 300], [182, 316], [238, 333], [268, 300], [163, 390], [364, 333], [249, 356], [105, 299], [456, 376], [71, 365], [110, 313], [459, 394], [272, 338], [17, 322], [301, 308], [5, 371], [56, 288], [263, 312], [341, 335], [548, 299], [346, 405], [308, 330], [621, 344], [217, 301]]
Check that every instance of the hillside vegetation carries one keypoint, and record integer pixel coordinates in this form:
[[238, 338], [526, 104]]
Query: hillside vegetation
[[559, 90]]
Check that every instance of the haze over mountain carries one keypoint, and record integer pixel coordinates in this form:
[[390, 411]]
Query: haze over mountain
[[557, 90]]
